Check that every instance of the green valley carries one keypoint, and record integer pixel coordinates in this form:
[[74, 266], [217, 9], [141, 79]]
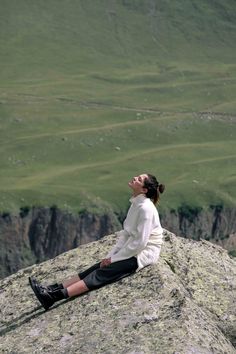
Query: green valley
[[94, 92]]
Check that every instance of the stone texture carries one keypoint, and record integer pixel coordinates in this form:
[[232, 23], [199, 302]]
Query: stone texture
[[185, 304]]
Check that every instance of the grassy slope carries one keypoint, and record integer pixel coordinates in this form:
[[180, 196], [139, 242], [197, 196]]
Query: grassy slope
[[95, 92]]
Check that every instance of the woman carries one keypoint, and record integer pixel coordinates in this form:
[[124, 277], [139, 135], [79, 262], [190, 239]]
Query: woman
[[138, 245]]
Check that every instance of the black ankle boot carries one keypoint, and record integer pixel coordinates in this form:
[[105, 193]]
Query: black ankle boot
[[52, 287], [47, 297], [55, 286], [41, 293], [58, 294]]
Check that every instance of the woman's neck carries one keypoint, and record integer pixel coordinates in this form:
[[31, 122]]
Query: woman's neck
[[135, 194]]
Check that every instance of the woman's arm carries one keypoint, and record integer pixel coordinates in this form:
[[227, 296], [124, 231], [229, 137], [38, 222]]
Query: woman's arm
[[122, 239], [138, 241]]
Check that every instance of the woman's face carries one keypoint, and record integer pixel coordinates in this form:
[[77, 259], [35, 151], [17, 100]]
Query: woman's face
[[136, 184]]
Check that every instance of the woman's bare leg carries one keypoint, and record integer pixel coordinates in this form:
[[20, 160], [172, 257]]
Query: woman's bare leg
[[77, 288], [68, 282]]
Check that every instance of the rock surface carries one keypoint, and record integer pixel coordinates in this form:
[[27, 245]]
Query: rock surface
[[185, 304]]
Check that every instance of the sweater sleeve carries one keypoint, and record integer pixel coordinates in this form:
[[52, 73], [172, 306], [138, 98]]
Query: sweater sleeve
[[138, 241], [122, 239]]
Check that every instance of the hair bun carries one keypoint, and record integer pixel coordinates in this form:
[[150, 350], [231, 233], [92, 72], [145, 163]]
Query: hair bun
[[161, 188]]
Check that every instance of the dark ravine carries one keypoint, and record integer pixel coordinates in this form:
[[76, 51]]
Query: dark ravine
[[37, 234], [215, 223]]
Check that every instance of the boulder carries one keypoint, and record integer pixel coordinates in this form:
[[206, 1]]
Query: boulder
[[185, 304]]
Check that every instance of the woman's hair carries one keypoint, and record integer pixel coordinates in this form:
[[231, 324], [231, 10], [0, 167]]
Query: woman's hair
[[154, 188]]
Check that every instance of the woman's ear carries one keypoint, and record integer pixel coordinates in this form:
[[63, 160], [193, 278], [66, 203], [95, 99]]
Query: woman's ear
[[145, 190]]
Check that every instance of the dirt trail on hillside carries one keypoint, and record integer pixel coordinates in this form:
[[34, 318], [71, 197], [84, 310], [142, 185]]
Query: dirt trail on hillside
[[138, 121], [39, 178]]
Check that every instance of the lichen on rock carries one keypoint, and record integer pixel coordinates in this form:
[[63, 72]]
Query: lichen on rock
[[184, 304]]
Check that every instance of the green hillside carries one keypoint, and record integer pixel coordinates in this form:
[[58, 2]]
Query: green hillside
[[94, 92]]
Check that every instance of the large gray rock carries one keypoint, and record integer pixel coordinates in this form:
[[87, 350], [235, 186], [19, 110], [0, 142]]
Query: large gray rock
[[183, 305]]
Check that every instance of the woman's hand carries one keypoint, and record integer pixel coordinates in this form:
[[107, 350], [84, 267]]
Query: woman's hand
[[105, 262]]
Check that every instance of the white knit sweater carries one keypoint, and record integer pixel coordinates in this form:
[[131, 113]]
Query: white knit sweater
[[142, 234]]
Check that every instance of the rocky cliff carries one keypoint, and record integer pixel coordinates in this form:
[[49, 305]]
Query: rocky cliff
[[216, 223], [37, 234], [184, 304]]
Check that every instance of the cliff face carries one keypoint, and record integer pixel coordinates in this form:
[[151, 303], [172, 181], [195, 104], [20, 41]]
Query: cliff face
[[216, 224], [183, 304], [42, 233], [38, 234]]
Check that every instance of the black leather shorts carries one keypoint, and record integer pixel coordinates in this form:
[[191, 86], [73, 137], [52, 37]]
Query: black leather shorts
[[96, 277]]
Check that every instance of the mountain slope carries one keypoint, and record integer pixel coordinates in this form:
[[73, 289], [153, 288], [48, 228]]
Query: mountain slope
[[100, 91], [38, 37]]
